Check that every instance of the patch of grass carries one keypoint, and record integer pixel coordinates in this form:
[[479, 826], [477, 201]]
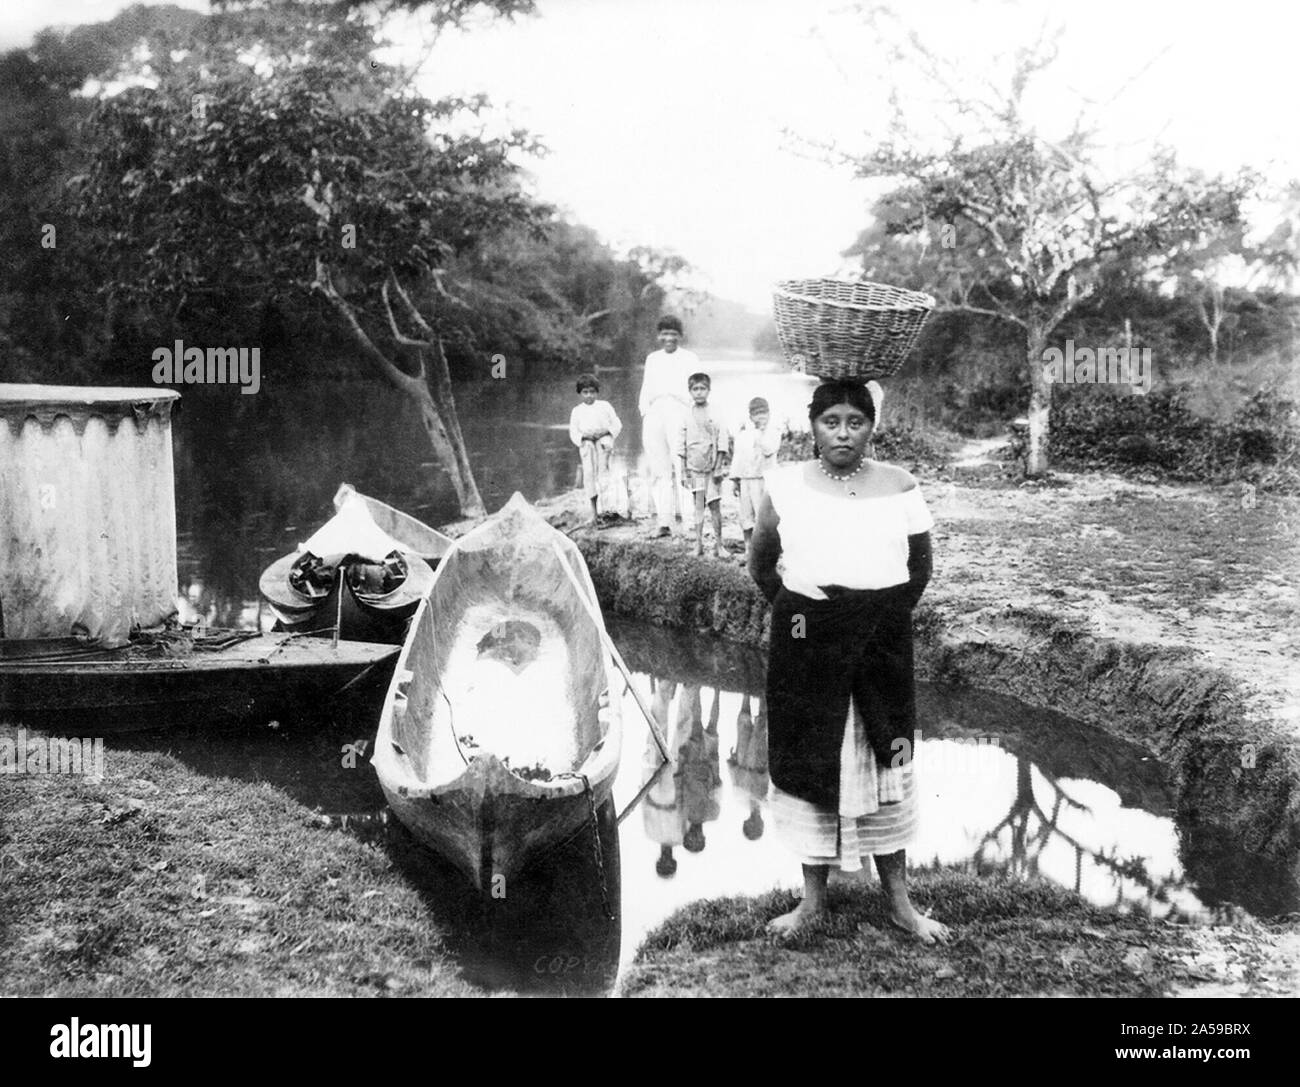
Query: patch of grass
[[1012, 938], [158, 881]]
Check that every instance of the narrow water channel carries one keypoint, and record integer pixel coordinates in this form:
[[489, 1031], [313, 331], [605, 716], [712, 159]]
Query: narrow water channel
[[1005, 789]]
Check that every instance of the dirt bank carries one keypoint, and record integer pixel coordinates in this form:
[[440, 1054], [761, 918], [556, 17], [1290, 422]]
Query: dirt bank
[[1164, 614]]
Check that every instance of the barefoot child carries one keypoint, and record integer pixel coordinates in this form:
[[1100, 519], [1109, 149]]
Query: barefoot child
[[593, 426], [755, 454], [663, 404], [705, 451]]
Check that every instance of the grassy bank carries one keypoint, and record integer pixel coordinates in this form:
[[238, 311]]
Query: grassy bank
[[157, 881], [1012, 939]]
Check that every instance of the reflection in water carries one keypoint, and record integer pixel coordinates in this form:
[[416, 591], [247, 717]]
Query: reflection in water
[[660, 814], [1050, 798], [686, 794], [1075, 840], [747, 765], [700, 783], [988, 807], [1006, 790]]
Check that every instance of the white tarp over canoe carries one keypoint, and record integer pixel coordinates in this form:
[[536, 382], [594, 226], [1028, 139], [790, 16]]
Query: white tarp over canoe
[[351, 531], [87, 511]]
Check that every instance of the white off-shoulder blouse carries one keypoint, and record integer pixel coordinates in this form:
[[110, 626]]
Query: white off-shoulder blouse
[[827, 539]]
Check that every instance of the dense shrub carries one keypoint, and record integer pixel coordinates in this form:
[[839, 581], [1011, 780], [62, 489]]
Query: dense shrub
[[1258, 442]]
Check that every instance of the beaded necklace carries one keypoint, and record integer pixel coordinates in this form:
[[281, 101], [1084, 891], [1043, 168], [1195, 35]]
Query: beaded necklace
[[862, 463]]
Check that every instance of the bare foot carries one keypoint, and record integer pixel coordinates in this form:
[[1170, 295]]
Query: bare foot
[[797, 919], [925, 929]]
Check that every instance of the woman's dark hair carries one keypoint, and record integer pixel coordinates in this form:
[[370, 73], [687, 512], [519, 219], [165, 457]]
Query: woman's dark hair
[[842, 390], [588, 381]]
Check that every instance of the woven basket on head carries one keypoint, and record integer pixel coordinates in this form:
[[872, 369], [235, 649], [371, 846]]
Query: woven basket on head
[[836, 328]]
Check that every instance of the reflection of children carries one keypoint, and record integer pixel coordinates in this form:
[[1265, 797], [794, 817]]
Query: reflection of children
[[705, 451], [699, 782], [754, 454], [747, 765], [593, 426], [663, 820]]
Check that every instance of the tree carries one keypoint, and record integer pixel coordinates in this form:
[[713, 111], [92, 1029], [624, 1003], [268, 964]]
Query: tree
[[268, 154], [1206, 263], [1022, 228], [557, 297], [1278, 254]]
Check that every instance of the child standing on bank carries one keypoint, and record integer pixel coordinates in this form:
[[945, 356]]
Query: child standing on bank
[[705, 452], [662, 404], [757, 443], [593, 426]]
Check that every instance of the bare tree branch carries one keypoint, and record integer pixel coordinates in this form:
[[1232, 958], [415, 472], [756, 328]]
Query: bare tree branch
[[324, 285], [404, 340], [416, 316]]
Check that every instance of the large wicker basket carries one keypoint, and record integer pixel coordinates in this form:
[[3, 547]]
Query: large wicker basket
[[838, 328]]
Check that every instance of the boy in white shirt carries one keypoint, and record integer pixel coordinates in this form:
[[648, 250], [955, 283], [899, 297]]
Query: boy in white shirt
[[704, 448], [593, 426], [663, 406], [754, 454]]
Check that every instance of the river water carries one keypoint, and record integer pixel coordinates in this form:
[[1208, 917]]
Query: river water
[[1004, 788], [255, 475]]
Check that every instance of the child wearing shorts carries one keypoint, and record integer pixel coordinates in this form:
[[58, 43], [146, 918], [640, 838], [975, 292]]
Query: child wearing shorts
[[757, 443], [705, 451]]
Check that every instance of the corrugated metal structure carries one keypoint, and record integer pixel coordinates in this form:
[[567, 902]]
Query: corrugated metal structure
[[87, 511]]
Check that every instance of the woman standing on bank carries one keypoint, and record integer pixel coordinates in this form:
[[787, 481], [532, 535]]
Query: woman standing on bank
[[853, 537]]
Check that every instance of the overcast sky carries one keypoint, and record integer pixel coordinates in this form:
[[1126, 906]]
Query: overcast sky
[[665, 118]]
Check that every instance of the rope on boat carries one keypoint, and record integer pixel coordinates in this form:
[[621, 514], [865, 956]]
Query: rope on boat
[[597, 851]]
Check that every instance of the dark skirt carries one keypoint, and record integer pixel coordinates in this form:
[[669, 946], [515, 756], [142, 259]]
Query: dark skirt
[[820, 652]]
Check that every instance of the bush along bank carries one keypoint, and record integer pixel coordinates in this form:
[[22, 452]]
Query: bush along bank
[[1162, 431]]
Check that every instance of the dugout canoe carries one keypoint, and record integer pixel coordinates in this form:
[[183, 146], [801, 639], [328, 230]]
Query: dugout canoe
[[499, 736], [379, 559], [179, 678]]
